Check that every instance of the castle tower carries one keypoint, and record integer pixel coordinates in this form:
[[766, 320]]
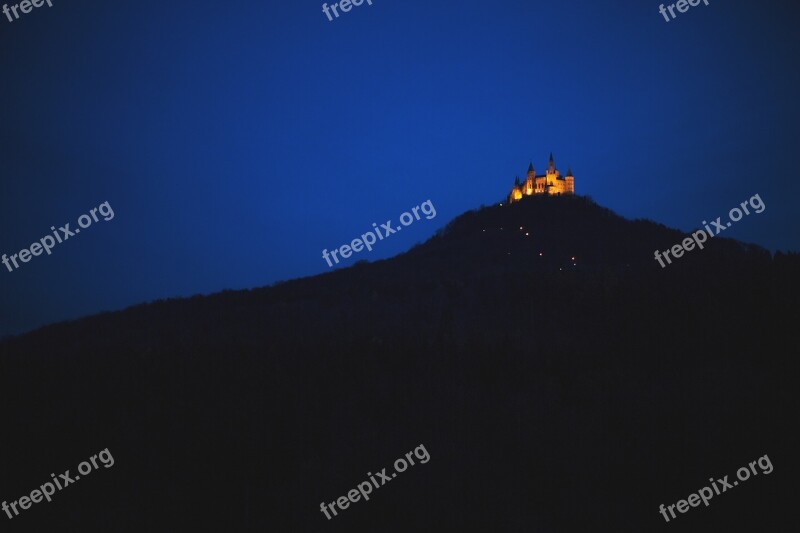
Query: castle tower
[[530, 180], [570, 182], [516, 191], [551, 185], [552, 172]]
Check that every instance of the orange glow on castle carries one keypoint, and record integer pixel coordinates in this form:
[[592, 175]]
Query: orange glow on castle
[[551, 182]]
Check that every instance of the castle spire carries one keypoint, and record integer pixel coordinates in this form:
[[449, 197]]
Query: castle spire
[[530, 167], [552, 165], [569, 173]]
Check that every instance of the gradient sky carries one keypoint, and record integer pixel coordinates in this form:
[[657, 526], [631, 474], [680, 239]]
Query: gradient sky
[[236, 140]]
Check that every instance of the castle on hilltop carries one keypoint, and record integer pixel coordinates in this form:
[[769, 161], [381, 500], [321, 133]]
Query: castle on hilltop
[[551, 182]]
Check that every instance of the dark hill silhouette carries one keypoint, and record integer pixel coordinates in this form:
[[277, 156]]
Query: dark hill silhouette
[[552, 394]]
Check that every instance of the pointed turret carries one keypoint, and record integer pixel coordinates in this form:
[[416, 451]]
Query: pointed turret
[[551, 167], [570, 182], [516, 181], [530, 167]]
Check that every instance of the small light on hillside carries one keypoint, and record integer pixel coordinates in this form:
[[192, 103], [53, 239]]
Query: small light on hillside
[[526, 233]]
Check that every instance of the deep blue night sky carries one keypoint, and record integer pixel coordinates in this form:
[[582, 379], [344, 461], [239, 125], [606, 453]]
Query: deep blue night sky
[[234, 141]]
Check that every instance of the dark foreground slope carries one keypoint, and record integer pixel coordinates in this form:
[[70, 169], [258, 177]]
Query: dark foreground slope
[[552, 394]]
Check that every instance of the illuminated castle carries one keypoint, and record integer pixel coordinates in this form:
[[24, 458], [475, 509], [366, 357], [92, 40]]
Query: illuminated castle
[[551, 182]]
